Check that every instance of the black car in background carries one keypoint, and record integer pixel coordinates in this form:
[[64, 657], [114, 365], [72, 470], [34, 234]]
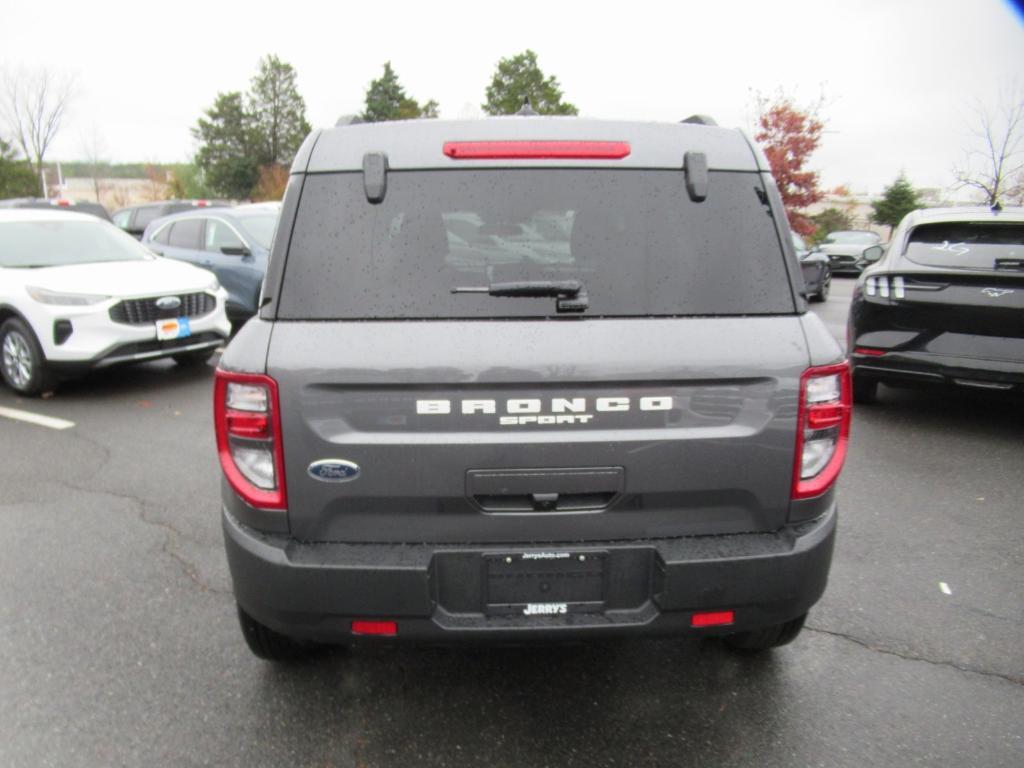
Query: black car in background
[[944, 305], [134, 219], [815, 267], [80, 206], [233, 243]]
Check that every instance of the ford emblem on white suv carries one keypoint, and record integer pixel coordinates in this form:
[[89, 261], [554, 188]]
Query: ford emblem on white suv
[[168, 302]]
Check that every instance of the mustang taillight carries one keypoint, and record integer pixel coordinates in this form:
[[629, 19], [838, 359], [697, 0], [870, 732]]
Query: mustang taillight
[[247, 418], [823, 428], [885, 286]]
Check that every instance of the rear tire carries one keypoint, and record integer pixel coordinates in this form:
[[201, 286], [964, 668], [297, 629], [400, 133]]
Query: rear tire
[[865, 391], [759, 640], [193, 359], [268, 644], [826, 283], [22, 362]]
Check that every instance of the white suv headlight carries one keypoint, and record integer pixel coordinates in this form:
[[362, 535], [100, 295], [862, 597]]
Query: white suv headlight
[[44, 296]]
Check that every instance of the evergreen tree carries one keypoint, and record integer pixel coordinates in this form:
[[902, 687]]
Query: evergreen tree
[[17, 178], [520, 77], [828, 221], [898, 199], [386, 99], [228, 151], [278, 112], [241, 137]]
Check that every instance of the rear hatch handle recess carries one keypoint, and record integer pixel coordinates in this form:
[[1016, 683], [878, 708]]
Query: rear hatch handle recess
[[571, 294]]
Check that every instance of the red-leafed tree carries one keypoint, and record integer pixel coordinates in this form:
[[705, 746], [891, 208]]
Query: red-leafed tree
[[789, 135]]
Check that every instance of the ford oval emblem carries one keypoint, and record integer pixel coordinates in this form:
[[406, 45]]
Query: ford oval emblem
[[333, 470], [168, 302]]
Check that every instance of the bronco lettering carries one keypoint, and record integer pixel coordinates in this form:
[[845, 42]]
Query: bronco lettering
[[557, 405]]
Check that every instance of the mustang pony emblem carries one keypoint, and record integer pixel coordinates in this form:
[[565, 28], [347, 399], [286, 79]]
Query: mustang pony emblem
[[995, 293]]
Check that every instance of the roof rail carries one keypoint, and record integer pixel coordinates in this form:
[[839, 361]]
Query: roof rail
[[700, 120]]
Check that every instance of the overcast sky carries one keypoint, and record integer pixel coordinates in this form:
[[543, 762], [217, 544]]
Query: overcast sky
[[899, 77]]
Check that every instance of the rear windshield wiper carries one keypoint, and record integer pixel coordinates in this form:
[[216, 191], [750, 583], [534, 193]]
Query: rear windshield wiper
[[571, 295], [1012, 264]]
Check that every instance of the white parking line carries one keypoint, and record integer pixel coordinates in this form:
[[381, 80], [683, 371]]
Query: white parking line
[[945, 588], [36, 418]]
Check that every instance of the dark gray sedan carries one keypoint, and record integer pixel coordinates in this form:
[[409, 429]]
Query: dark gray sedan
[[233, 243], [816, 269]]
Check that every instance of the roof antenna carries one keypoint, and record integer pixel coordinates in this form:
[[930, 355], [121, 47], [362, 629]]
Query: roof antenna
[[527, 109], [997, 207]]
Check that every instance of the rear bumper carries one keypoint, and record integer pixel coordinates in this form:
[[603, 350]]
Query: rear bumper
[[926, 368], [435, 592]]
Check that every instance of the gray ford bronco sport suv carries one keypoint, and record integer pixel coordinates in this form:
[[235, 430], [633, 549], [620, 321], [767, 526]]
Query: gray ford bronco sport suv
[[530, 378]]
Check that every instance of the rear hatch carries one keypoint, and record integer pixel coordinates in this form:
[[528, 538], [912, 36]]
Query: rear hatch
[[665, 407], [961, 286]]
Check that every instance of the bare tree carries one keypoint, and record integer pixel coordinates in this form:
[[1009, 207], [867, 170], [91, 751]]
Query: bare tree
[[94, 149], [995, 162], [33, 104]]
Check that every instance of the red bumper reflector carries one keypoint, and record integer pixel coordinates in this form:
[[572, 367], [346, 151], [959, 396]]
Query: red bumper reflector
[[824, 416], [536, 150], [381, 628], [869, 351], [251, 425], [712, 619]]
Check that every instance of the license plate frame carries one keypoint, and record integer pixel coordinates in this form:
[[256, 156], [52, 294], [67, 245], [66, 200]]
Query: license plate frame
[[544, 584], [173, 328]]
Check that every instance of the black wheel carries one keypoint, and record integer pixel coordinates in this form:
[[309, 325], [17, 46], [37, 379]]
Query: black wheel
[[268, 644], [767, 638], [21, 359], [192, 359], [865, 391]]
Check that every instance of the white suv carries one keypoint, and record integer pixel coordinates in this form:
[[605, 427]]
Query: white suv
[[77, 293]]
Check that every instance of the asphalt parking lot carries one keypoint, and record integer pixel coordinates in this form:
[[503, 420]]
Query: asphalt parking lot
[[119, 643]]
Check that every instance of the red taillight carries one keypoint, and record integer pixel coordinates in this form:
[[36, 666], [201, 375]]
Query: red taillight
[[379, 628], [869, 352], [247, 420], [822, 429], [536, 150], [63, 203], [712, 619]]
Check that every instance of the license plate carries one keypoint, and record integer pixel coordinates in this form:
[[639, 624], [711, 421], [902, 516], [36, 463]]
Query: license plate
[[544, 583], [174, 328]]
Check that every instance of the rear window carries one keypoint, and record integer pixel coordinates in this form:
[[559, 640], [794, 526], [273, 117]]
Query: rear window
[[852, 238], [968, 245], [635, 240]]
